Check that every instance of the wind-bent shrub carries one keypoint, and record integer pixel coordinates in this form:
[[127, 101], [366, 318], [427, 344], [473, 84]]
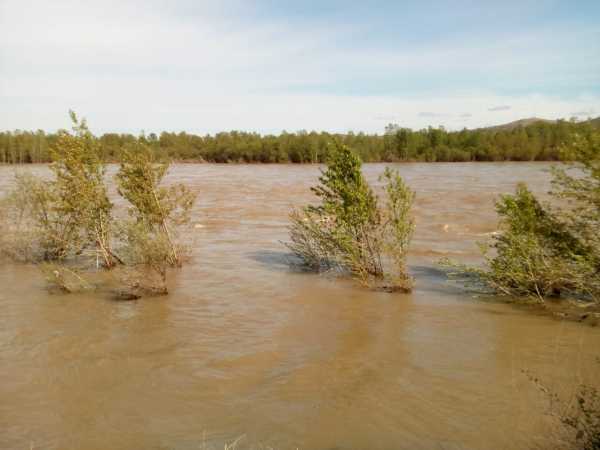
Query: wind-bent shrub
[[579, 185], [155, 214], [61, 218], [548, 250], [81, 197], [65, 220], [348, 230]]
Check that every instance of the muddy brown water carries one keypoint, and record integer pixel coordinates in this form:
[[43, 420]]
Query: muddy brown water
[[244, 347]]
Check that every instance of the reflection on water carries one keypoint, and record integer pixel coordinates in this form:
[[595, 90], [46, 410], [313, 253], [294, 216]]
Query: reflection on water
[[246, 346]]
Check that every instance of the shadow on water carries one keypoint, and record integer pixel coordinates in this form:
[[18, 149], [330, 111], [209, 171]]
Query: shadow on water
[[430, 272], [435, 279], [277, 260]]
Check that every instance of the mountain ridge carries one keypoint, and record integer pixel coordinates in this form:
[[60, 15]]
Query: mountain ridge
[[531, 121]]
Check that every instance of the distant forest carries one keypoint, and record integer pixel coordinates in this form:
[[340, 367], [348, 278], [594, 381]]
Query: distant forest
[[527, 140]]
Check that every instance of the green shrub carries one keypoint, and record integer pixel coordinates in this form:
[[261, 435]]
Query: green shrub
[[81, 200], [32, 227], [579, 186], [546, 250], [68, 223], [348, 231], [159, 210], [150, 236]]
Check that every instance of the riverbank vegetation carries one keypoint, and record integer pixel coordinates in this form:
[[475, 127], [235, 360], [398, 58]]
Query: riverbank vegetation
[[349, 230], [69, 226], [548, 249], [528, 141]]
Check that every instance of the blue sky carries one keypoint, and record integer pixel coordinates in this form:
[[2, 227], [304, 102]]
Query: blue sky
[[266, 66]]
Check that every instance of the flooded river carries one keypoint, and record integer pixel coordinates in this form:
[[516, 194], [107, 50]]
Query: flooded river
[[244, 347]]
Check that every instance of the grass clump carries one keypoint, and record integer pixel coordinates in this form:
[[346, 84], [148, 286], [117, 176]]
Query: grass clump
[[552, 249], [349, 231]]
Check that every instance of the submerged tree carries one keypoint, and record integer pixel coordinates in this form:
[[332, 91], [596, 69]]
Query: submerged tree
[[349, 231]]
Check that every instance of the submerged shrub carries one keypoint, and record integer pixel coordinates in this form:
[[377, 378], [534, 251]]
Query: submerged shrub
[[546, 250], [579, 185], [68, 221], [159, 210], [31, 227], [65, 279], [156, 212], [348, 230], [81, 199], [64, 217]]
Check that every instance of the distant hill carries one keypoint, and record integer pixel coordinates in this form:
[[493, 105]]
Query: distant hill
[[532, 120], [518, 123], [595, 122]]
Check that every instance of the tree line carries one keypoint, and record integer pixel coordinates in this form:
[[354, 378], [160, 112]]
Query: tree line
[[538, 141]]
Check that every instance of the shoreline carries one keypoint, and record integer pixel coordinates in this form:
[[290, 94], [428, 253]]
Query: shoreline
[[254, 163]]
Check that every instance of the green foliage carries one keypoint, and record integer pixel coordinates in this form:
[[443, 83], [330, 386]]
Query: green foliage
[[63, 217], [70, 216], [31, 227], [398, 225], [344, 193], [148, 255], [158, 209], [554, 249], [538, 141], [81, 198], [579, 186], [313, 240], [348, 231]]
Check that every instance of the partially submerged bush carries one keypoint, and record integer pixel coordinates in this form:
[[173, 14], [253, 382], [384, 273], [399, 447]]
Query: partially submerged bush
[[65, 279], [68, 220], [81, 199], [579, 185], [148, 253], [62, 218], [348, 231], [156, 210], [30, 228], [548, 250], [533, 255]]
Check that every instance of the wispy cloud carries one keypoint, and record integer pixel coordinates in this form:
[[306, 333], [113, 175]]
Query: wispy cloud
[[432, 115], [206, 66]]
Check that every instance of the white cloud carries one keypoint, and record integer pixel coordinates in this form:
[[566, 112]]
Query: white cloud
[[130, 65]]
